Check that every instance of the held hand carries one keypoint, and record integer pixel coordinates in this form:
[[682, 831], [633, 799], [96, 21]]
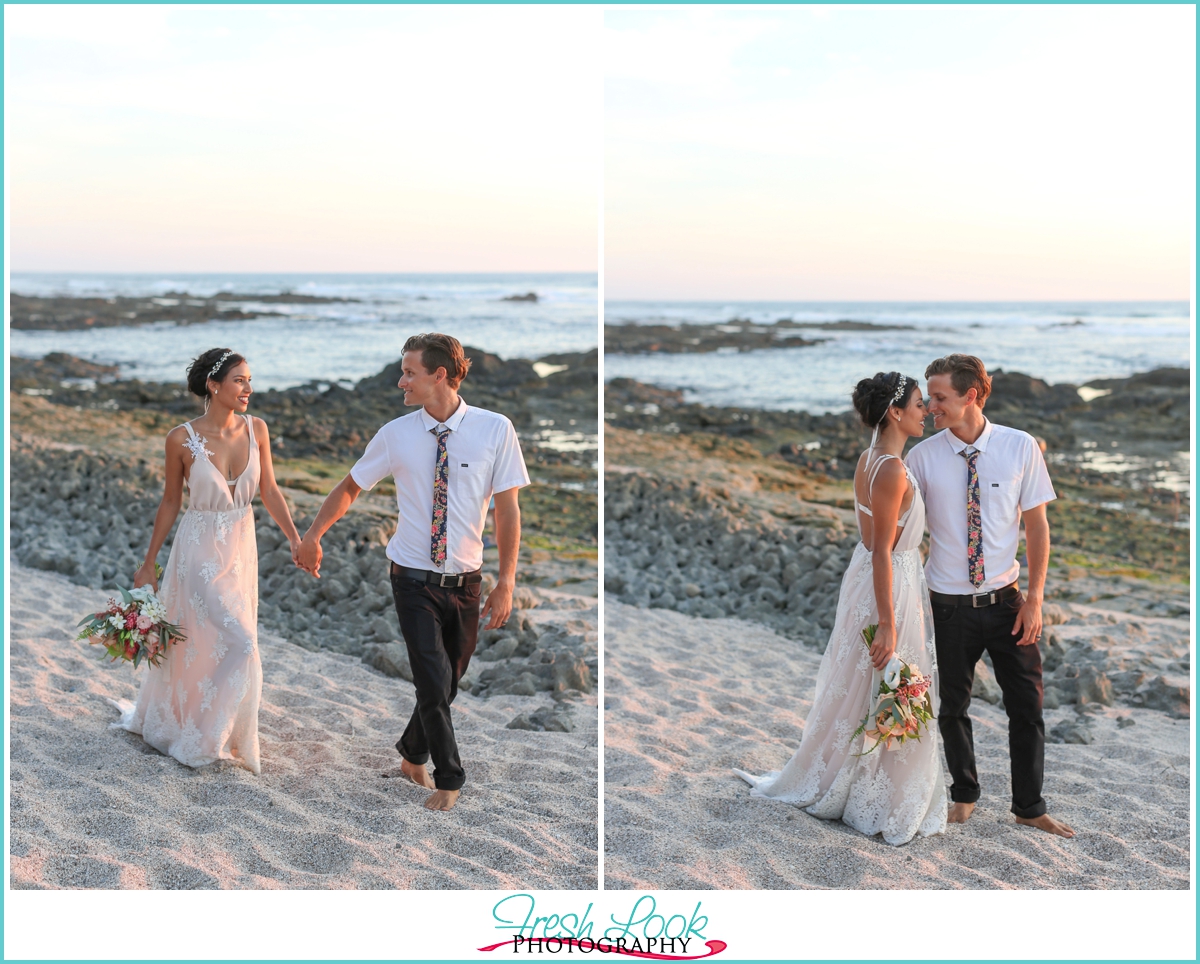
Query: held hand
[[1029, 622], [499, 605], [308, 556], [145, 577], [883, 646]]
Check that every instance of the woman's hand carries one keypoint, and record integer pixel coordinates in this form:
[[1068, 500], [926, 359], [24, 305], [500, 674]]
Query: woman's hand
[[883, 646], [296, 544], [145, 577]]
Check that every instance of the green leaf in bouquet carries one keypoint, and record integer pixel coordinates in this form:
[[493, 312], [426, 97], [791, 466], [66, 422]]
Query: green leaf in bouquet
[[125, 595], [158, 571], [868, 634]]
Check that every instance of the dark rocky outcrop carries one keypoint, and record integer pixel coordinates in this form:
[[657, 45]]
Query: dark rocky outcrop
[[329, 421], [71, 314]]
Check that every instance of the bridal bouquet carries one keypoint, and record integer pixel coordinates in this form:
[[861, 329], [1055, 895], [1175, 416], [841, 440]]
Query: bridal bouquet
[[902, 708], [134, 628]]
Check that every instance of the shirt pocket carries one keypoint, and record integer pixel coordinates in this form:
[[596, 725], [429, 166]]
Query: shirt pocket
[[471, 482], [1001, 498]]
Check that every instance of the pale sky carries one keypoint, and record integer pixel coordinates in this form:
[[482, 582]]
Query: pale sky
[[927, 153], [300, 138]]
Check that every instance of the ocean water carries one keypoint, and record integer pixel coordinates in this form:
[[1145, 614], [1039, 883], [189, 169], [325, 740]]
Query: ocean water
[[1057, 341], [340, 342]]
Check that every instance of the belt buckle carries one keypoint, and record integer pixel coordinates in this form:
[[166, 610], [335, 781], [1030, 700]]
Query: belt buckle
[[454, 575], [989, 596]]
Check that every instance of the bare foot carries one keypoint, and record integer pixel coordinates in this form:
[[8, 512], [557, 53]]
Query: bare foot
[[442, 800], [417, 773], [959, 812], [1047, 823]]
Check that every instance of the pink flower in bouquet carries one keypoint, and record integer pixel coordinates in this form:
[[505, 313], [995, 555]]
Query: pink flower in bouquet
[[144, 623], [131, 620]]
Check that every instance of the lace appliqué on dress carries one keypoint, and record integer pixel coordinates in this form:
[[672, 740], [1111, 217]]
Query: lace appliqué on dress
[[195, 444], [200, 608], [208, 692], [234, 604], [197, 528]]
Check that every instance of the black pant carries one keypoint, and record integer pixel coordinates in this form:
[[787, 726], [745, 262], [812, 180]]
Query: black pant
[[962, 634], [440, 627]]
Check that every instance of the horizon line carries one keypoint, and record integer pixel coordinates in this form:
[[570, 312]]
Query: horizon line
[[896, 301], [14, 271]]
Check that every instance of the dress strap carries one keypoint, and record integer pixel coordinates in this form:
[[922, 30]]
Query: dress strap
[[250, 428], [191, 431], [876, 467], [871, 481]]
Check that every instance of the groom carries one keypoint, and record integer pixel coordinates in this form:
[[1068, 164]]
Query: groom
[[980, 482], [448, 461]]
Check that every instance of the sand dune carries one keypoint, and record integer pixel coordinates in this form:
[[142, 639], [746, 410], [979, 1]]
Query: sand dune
[[95, 807], [687, 699]]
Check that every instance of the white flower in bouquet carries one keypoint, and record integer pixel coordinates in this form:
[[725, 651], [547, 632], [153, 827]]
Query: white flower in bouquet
[[891, 672]]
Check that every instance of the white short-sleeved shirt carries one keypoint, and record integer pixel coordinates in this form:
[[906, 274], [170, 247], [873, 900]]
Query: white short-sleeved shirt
[[1012, 479], [484, 458]]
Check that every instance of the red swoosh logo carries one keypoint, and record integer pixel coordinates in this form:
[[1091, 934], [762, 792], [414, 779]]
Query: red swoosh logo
[[714, 947]]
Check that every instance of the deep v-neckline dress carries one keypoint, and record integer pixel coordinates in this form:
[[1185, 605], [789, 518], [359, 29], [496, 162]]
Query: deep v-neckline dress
[[201, 704], [899, 793]]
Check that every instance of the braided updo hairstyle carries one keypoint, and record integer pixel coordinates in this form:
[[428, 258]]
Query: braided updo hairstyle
[[198, 370], [873, 396]]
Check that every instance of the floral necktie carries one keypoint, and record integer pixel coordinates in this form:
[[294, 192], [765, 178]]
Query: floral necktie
[[974, 520], [441, 482]]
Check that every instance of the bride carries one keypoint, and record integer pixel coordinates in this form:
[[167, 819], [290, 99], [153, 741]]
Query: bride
[[897, 792], [201, 703]]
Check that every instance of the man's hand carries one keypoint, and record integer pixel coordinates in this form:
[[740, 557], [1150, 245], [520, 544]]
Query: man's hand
[[308, 556], [499, 605], [1029, 622]]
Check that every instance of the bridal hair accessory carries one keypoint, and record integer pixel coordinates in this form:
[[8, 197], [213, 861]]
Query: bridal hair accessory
[[896, 397], [220, 361]]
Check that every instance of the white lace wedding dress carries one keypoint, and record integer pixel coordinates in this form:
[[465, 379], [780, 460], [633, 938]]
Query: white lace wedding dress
[[201, 703], [899, 793]]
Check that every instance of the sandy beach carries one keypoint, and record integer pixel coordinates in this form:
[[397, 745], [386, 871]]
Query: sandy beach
[[96, 807], [687, 699]]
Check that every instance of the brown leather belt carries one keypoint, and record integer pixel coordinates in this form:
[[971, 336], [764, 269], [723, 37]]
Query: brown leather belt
[[978, 601], [447, 580]]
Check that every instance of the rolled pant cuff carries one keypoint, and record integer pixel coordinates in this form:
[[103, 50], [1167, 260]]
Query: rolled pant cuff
[[964, 796], [449, 783], [1029, 813], [418, 759]]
